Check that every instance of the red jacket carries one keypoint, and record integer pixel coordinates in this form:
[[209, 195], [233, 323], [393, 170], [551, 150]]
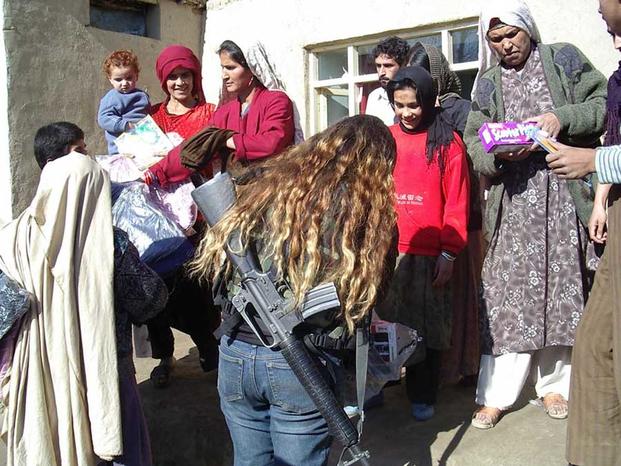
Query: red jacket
[[267, 128], [432, 207]]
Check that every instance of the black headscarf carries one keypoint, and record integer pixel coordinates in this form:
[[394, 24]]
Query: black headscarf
[[613, 109], [439, 132]]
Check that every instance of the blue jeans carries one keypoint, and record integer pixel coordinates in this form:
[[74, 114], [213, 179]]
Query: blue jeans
[[271, 418]]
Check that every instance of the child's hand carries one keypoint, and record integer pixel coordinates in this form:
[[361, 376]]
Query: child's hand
[[129, 126], [443, 272], [597, 224]]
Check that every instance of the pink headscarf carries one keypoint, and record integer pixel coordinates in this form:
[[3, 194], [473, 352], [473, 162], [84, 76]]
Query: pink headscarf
[[178, 55]]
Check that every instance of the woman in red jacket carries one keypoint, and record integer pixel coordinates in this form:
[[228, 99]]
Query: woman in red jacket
[[252, 104], [190, 308], [432, 194]]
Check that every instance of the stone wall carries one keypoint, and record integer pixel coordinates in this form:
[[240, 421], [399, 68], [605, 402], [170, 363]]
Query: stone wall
[[54, 73]]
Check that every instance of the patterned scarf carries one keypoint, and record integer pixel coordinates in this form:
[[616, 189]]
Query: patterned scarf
[[434, 61]]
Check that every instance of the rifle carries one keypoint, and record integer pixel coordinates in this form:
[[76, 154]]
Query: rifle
[[214, 198]]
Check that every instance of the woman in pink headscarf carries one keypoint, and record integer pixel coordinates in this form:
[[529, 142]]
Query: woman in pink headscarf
[[184, 111], [190, 308]]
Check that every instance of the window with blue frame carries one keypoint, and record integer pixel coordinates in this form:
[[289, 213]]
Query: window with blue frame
[[126, 16]]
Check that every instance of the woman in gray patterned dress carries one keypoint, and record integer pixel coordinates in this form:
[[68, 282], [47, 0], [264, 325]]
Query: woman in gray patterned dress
[[536, 274]]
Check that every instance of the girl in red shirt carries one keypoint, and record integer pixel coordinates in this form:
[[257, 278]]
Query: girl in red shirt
[[432, 193]]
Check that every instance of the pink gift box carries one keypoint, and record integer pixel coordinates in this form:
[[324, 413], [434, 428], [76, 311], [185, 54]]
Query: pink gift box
[[505, 137]]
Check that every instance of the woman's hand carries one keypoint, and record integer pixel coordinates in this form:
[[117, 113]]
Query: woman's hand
[[443, 272], [514, 156], [597, 224], [549, 123]]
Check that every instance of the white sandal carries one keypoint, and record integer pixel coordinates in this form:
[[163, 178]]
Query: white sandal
[[484, 421]]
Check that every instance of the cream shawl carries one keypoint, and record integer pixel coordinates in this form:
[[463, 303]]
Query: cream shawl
[[61, 398]]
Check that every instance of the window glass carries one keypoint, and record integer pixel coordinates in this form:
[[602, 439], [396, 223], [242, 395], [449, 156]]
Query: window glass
[[465, 45], [333, 103], [362, 95], [366, 62], [432, 39], [332, 64], [131, 21]]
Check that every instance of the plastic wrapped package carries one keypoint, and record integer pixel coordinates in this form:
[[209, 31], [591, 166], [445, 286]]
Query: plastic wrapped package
[[121, 168], [145, 142], [161, 243], [176, 200], [14, 303], [382, 369]]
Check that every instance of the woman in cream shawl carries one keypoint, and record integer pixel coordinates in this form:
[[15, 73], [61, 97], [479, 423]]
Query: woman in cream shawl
[[61, 398], [538, 267]]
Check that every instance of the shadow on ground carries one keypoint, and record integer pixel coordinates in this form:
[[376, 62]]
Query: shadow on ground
[[185, 423], [187, 428]]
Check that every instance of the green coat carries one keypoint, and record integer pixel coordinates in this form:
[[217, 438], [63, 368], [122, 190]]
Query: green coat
[[578, 91]]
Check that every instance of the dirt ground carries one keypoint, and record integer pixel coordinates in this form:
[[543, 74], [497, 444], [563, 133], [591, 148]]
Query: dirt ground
[[187, 428]]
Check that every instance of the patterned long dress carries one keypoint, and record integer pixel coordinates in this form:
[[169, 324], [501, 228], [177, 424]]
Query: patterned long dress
[[535, 277]]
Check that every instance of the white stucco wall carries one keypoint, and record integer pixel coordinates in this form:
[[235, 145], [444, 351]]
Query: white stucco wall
[[288, 28], [54, 63], [6, 199]]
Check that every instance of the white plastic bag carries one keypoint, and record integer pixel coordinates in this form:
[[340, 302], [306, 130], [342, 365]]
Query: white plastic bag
[[391, 346], [120, 168]]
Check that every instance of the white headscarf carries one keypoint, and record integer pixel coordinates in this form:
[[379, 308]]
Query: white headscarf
[[263, 69], [62, 393], [510, 12]]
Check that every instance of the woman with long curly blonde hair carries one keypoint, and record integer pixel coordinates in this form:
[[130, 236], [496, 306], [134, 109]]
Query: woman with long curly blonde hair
[[321, 211]]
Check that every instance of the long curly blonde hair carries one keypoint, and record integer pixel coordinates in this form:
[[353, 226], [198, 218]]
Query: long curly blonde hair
[[323, 211]]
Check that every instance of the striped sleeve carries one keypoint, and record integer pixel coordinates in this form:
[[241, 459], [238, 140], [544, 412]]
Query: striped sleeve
[[608, 164]]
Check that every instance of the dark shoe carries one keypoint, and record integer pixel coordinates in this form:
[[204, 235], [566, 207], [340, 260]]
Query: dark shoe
[[422, 411], [160, 375]]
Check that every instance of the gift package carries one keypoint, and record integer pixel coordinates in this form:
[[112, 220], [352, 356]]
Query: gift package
[[507, 136]]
